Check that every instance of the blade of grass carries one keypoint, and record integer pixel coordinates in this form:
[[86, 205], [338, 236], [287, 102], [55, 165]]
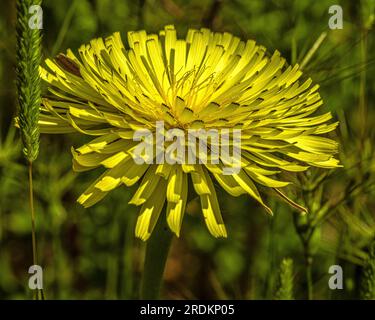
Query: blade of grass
[[29, 99], [313, 49], [64, 28]]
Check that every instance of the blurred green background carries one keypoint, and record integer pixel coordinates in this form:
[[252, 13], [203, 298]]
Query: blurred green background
[[92, 253]]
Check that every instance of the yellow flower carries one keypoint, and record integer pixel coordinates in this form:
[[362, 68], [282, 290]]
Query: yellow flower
[[206, 81]]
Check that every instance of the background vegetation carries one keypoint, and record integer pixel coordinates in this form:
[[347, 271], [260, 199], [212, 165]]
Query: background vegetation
[[92, 253]]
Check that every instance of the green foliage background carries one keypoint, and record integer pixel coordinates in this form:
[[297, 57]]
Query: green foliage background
[[92, 253]]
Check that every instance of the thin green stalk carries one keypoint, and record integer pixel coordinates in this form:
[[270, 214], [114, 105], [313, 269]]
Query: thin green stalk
[[31, 198], [362, 86], [29, 98], [294, 50], [64, 28], [157, 250], [38, 294], [305, 232], [308, 266], [313, 49], [285, 281]]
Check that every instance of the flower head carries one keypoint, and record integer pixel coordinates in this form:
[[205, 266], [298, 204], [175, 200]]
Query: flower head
[[206, 81]]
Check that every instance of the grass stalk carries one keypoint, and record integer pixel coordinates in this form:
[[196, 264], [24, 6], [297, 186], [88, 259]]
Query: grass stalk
[[29, 99], [305, 232], [308, 269], [64, 28], [285, 281], [362, 86], [38, 293], [32, 211], [313, 49]]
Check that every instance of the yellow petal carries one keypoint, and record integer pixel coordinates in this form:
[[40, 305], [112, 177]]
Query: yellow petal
[[148, 185], [245, 182], [176, 210], [211, 210], [150, 212]]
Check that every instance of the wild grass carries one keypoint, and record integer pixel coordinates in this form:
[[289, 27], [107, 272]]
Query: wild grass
[[28, 52]]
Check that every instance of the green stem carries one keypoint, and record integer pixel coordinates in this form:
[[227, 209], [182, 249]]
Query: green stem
[[305, 232], [38, 295], [313, 49], [362, 86], [157, 250], [64, 28], [308, 266], [31, 198]]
